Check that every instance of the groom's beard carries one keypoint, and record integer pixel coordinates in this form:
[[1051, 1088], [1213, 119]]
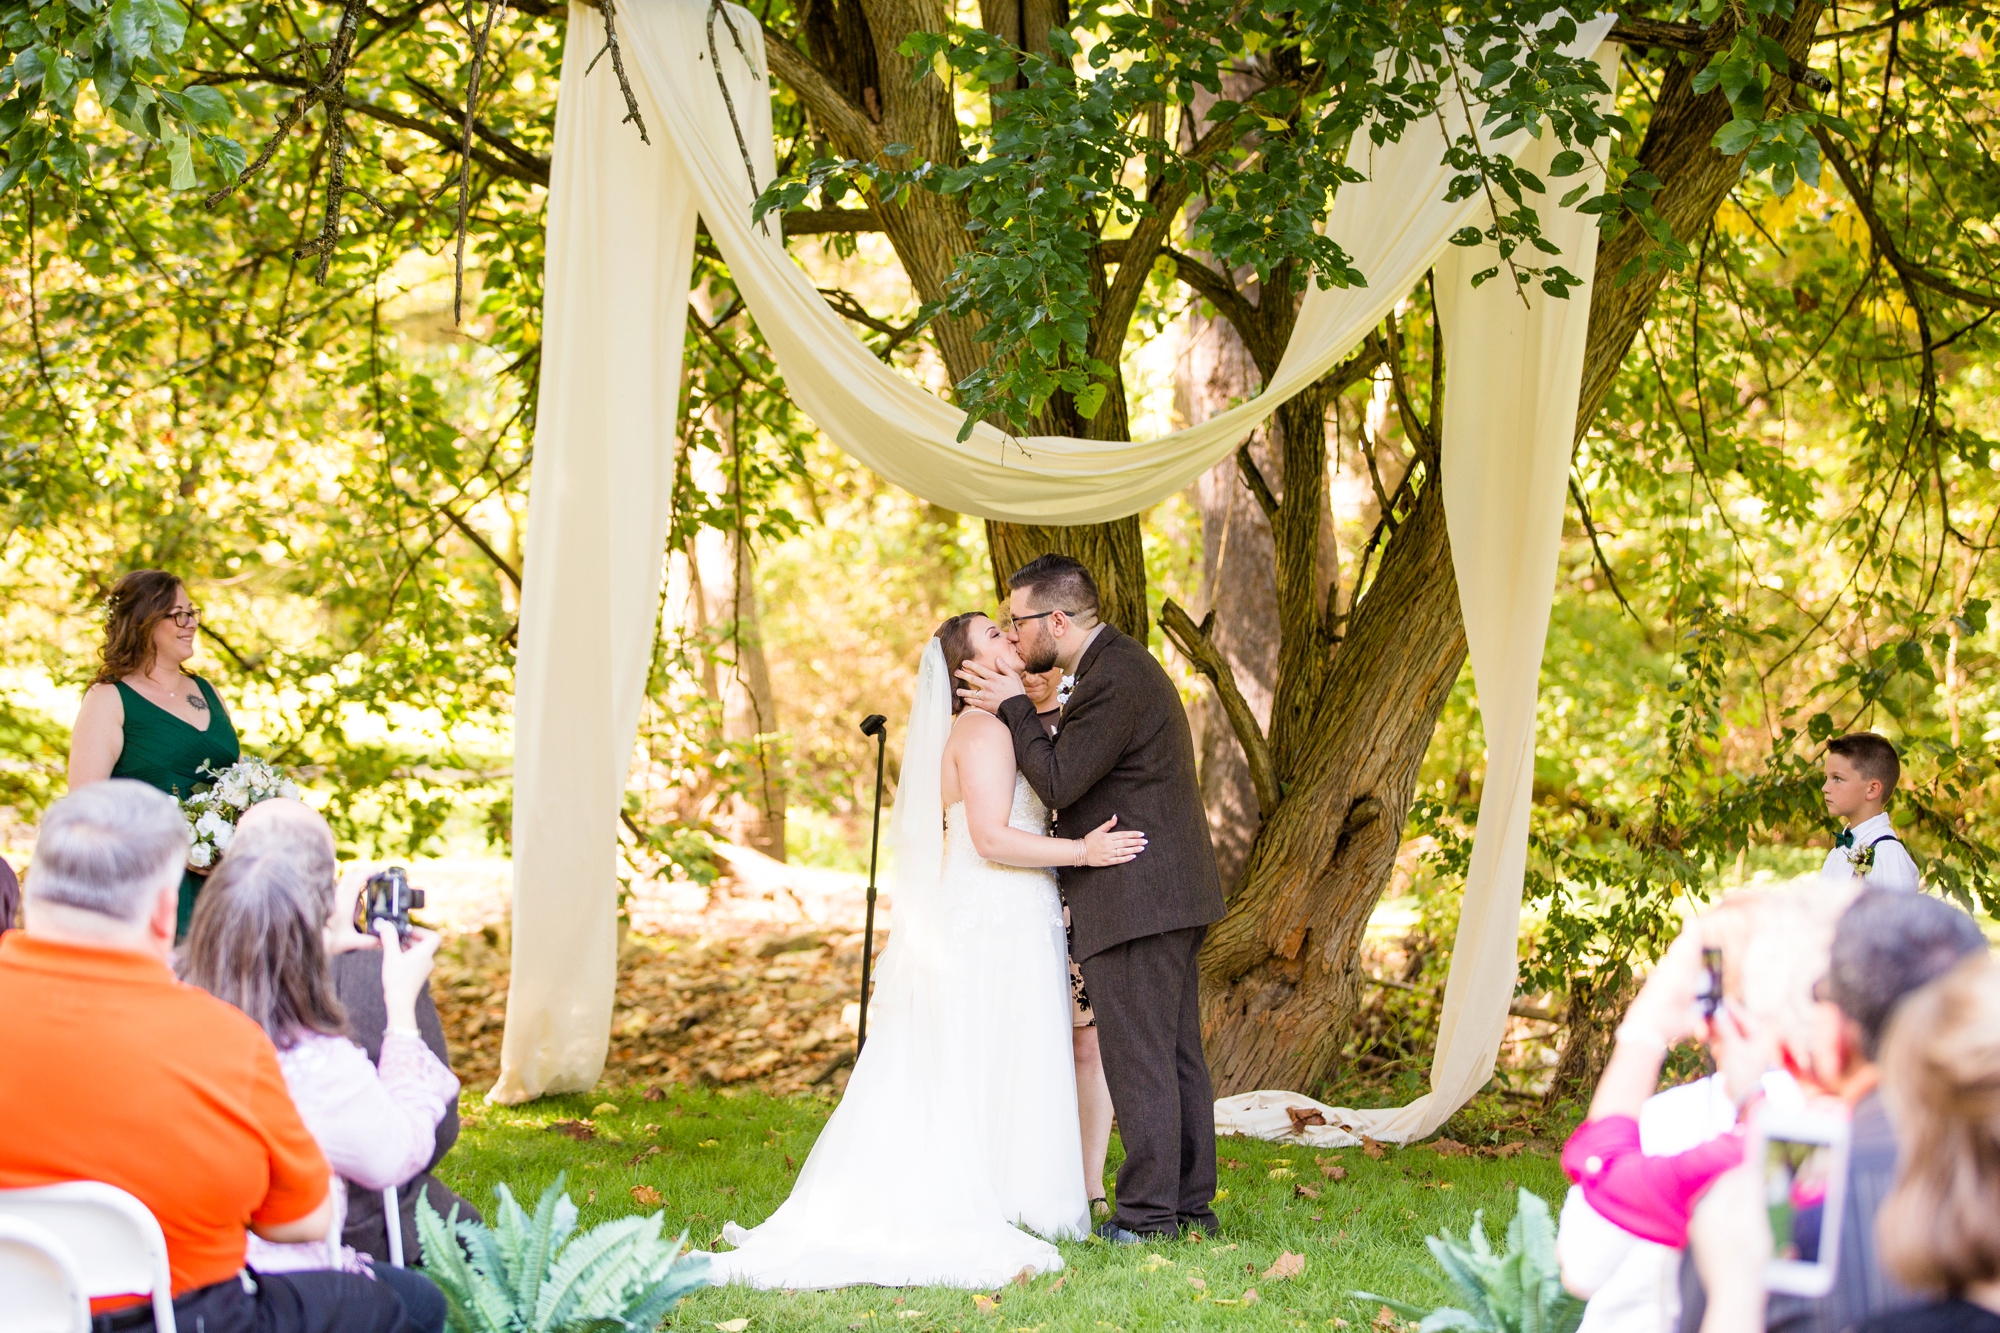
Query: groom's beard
[[1041, 658]]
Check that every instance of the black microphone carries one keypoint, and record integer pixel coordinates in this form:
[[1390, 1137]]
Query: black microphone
[[877, 726]]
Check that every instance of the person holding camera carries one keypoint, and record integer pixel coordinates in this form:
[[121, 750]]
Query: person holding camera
[[258, 942], [294, 830]]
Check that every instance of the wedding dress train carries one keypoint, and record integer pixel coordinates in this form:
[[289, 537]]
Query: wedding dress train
[[958, 1127]]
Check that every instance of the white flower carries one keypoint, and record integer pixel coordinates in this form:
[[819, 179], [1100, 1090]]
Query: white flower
[[288, 790], [211, 825], [200, 854], [223, 835]]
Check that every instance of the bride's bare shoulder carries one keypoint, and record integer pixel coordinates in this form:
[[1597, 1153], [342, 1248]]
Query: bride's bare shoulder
[[975, 731]]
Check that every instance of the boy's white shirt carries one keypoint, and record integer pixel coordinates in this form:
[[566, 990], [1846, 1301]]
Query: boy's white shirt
[[1893, 868]]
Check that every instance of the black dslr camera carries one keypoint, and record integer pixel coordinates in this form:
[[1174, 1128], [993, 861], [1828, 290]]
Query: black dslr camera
[[387, 897]]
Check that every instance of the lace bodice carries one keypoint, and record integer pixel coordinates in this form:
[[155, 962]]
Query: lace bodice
[[1029, 815]]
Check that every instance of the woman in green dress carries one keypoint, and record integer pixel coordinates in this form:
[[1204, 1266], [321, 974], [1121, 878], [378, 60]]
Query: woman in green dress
[[146, 716]]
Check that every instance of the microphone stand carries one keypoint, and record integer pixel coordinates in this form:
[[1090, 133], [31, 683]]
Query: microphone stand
[[877, 726]]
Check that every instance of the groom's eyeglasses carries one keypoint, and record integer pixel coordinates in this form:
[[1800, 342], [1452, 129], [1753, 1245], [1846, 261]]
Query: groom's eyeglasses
[[1015, 622]]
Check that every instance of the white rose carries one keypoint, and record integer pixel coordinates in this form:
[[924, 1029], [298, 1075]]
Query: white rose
[[200, 854], [288, 790], [223, 835], [210, 825]]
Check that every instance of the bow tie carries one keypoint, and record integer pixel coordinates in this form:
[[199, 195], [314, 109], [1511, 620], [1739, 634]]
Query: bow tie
[[1846, 839]]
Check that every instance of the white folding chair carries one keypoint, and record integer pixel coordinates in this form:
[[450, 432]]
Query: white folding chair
[[44, 1292], [115, 1241]]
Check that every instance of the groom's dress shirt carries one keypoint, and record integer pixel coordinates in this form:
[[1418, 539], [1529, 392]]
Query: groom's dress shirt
[[1123, 748]]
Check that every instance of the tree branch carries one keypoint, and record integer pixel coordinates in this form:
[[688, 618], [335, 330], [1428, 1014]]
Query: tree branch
[[1597, 549], [1693, 37], [1253, 477], [1909, 272], [846, 124], [1194, 643]]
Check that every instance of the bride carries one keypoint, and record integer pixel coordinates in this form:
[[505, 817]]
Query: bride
[[959, 1125]]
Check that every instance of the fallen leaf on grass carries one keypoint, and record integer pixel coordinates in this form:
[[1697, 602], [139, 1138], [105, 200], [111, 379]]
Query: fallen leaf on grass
[[1337, 1322], [1199, 1284], [655, 1094], [1155, 1261], [1223, 1249], [653, 1151], [732, 1325], [1513, 1149], [1305, 1192], [1331, 1169], [604, 1108], [1025, 1276], [1280, 1173], [645, 1195], [1287, 1265], [790, 1165], [1451, 1148], [1057, 1285], [708, 1143], [1231, 1164], [1250, 1296], [580, 1130], [1372, 1148], [590, 1197], [985, 1304], [1385, 1319]]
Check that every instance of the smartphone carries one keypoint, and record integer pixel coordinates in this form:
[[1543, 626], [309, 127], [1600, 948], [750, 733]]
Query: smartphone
[[1805, 1187], [1708, 998]]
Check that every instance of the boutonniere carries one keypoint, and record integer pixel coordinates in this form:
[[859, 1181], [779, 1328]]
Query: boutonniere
[[1862, 858], [1062, 690]]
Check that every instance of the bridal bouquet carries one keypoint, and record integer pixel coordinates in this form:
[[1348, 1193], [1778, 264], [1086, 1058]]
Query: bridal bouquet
[[215, 807]]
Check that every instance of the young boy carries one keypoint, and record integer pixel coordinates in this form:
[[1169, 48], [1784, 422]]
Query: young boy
[[1861, 773]]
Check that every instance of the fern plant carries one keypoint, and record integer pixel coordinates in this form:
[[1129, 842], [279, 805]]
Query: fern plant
[[533, 1275], [1518, 1291]]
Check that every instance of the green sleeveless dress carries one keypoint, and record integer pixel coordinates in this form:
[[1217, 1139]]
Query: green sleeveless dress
[[163, 751]]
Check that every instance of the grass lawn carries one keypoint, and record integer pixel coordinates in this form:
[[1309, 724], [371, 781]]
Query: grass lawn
[[713, 1157]]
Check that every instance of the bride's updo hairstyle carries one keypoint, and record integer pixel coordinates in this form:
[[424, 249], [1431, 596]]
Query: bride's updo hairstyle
[[955, 638]]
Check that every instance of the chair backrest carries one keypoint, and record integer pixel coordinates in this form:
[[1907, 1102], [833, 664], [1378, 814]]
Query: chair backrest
[[44, 1291], [115, 1239]]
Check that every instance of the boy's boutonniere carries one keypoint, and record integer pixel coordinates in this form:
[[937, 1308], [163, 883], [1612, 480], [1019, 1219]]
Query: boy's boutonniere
[[1862, 858]]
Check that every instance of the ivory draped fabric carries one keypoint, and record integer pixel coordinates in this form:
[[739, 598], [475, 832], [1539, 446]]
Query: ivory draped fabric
[[620, 243]]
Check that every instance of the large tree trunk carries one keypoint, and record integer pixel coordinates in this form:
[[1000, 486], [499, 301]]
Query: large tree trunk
[[1278, 971], [1239, 584], [1112, 551]]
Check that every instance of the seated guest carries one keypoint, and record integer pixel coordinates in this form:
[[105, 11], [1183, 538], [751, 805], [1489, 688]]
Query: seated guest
[[295, 830], [1939, 1229], [257, 943], [1890, 943], [1643, 1158], [110, 1070]]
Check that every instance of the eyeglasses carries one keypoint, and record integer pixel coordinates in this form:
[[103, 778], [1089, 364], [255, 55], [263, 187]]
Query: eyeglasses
[[186, 619], [1015, 622]]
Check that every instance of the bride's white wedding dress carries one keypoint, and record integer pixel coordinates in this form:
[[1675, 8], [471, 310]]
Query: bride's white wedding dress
[[958, 1127]]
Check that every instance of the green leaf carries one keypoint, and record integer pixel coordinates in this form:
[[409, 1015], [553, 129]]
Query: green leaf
[[1736, 136], [180, 157], [205, 105], [1090, 399], [1566, 163], [148, 27]]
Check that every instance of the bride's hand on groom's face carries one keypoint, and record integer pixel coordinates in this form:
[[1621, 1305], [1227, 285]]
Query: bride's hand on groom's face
[[985, 688]]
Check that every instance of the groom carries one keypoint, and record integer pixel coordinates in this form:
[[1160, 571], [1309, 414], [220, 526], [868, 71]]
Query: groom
[[1122, 747]]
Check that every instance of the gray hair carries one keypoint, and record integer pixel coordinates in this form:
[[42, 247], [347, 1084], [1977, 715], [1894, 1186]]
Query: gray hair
[[1891, 942], [109, 848], [300, 838]]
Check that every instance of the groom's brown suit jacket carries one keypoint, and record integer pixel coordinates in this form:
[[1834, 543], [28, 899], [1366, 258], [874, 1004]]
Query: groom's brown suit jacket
[[1123, 748]]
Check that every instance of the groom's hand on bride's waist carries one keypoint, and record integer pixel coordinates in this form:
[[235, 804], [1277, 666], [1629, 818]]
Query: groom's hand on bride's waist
[[984, 688]]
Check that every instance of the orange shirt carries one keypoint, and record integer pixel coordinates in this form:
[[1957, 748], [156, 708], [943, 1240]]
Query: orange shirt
[[112, 1070]]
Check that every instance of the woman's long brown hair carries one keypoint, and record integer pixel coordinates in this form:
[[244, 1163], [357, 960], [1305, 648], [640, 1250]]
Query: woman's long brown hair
[[955, 637], [255, 942], [138, 602]]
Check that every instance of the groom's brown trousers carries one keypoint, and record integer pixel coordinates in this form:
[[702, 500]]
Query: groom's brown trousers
[[1146, 994]]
